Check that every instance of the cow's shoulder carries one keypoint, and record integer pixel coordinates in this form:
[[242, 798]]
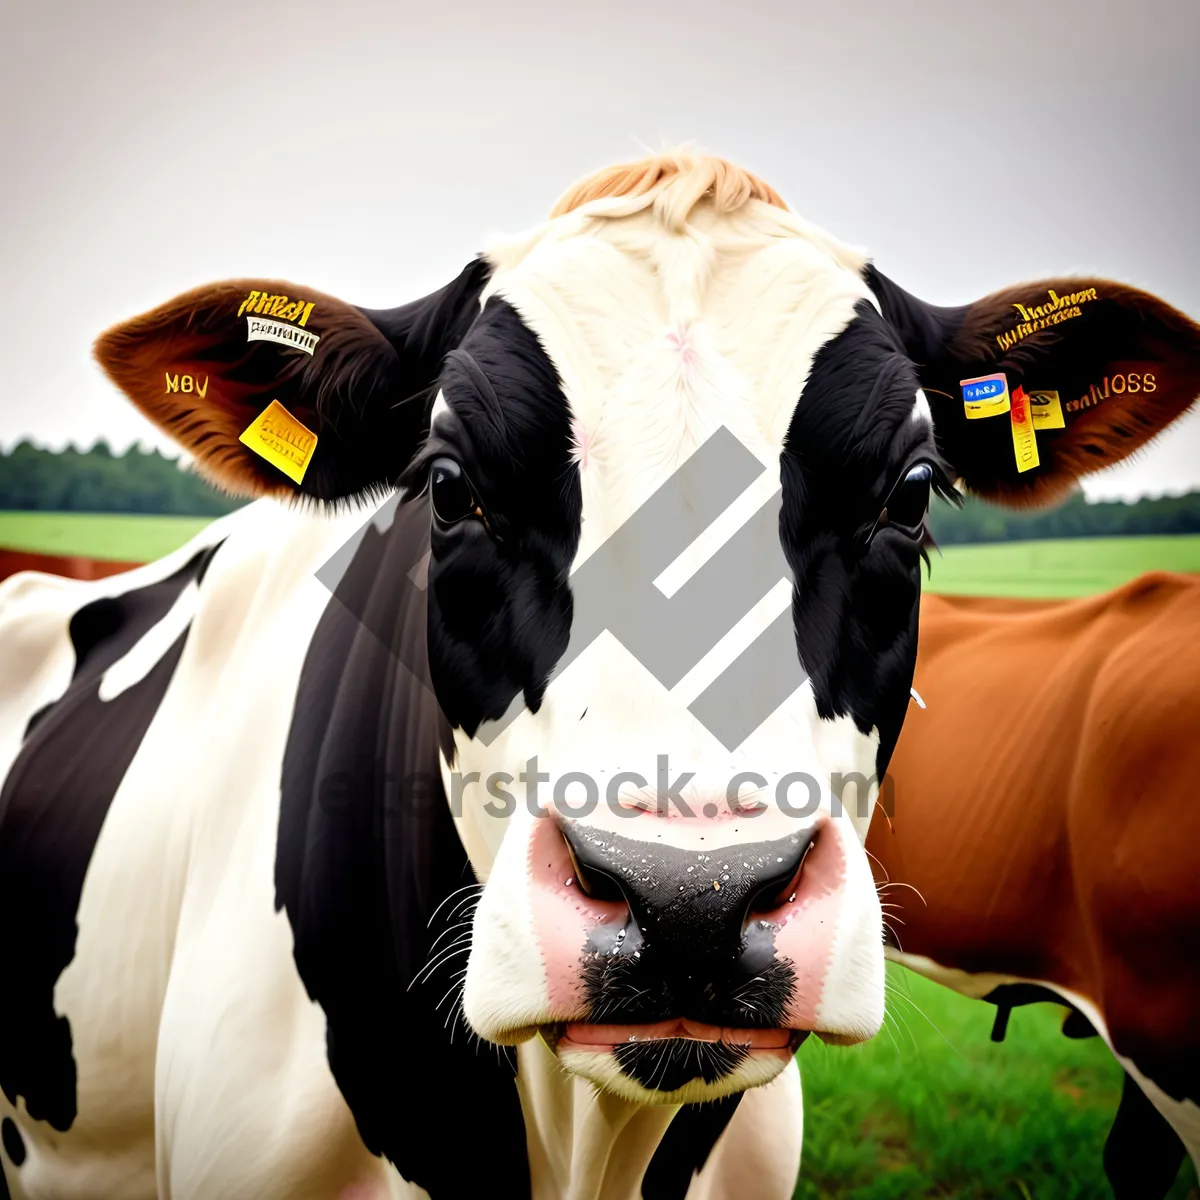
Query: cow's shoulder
[[91, 674], [35, 610]]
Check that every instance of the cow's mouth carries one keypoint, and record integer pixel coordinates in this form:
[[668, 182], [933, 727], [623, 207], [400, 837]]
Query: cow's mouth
[[584, 1036], [666, 1056]]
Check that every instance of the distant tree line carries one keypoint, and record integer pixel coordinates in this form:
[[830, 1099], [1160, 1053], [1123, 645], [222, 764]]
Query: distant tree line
[[97, 480], [980, 522]]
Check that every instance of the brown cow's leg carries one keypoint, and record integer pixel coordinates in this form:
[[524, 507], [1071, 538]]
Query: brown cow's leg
[[1143, 1153]]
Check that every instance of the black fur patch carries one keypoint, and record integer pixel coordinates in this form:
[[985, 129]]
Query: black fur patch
[[500, 607], [686, 1147], [666, 1064], [14, 1144], [52, 807], [367, 854], [1142, 1154], [855, 602]]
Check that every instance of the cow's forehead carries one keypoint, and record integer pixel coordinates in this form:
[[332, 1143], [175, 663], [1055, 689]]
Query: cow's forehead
[[661, 336]]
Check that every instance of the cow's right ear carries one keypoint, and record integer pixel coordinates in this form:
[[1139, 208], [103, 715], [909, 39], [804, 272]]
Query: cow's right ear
[[280, 390], [1036, 385]]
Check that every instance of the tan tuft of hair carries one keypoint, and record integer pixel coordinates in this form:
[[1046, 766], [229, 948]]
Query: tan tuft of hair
[[677, 181]]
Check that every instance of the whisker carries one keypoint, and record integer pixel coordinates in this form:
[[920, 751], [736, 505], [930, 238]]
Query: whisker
[[886, 815], [461, 906], [462, 944], [454, 987], [457, 892], [910, 888], [874, 858], [932, 1025], [445, 932]]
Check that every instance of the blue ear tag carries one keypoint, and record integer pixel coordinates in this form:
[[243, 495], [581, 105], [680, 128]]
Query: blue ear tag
[[986, 396]]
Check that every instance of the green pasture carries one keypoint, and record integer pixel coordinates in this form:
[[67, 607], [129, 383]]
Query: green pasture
[[128, 537], [932, 1107], [1071, 567]]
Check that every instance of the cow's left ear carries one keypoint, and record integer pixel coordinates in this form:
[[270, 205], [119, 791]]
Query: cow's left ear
[[1036, 385], [280, 390]]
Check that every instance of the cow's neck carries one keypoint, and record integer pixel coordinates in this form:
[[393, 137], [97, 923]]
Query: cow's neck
[[583, 1144]]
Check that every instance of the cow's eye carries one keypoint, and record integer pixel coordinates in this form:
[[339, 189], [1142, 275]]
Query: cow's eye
[[449, 492], [907, 504]]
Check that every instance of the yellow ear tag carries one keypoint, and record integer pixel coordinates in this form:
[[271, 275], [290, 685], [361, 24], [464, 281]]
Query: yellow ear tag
[[1023, 434], [279, 438], [1046, 408]]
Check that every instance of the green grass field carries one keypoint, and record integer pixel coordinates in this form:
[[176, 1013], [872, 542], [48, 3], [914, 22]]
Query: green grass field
[[930, 1108], [1076, 567], [127, 537], [1071, 567]]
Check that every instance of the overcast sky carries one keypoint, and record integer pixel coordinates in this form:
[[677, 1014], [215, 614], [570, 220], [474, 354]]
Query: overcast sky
[[368, 149]]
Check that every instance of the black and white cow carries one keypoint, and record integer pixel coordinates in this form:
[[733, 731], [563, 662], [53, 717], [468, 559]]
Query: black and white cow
[[240, 838]]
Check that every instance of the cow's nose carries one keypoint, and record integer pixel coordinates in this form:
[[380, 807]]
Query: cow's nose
[[698, 911]]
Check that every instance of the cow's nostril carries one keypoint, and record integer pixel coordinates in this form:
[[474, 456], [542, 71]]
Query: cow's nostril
[[596, 884], [775, 893]]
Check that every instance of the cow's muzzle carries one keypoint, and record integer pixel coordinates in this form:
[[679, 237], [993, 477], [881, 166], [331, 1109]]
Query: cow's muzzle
[[695, 933], [679, 959]]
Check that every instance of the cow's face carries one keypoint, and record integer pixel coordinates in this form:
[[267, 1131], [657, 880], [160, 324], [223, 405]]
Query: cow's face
[[678, 448], [674, 896]]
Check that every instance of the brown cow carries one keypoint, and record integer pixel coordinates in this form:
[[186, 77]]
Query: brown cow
[[1045, 812], [73, 566]]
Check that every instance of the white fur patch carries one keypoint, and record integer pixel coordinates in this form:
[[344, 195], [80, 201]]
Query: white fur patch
[[921, 413]]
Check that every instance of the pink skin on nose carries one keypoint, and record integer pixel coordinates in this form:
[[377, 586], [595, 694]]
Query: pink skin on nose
[[807, 925], [563, 917]]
